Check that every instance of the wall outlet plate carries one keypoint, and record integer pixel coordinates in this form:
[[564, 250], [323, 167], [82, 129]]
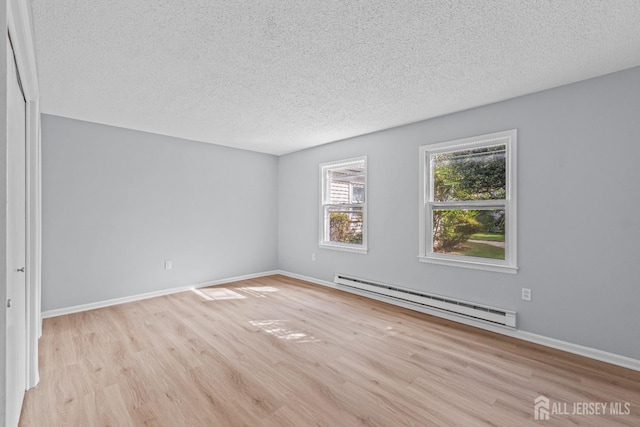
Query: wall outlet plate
[[168, 265], [526, 294]]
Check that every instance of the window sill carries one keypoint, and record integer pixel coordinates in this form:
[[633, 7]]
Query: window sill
[[344, 248], [476, 265]]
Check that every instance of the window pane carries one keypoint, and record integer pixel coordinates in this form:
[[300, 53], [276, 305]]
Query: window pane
[[357, 193], [477, 233], [477, 174], [346, 184], [345, 225]]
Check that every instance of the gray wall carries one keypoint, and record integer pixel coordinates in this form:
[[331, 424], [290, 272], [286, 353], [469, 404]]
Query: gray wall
[[578, 205], [117, 203]]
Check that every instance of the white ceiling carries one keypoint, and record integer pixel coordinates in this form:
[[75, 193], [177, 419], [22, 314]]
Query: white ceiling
[[280, 76]]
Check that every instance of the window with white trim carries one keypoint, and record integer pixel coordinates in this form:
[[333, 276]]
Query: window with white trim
[[343, 205], [468, 202]]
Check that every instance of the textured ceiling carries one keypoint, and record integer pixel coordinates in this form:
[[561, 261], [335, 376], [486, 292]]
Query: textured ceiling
[[280, 76]]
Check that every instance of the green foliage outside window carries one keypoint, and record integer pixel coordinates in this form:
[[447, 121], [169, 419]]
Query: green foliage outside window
[[478, 174], [468, 175], [450, 228], [345, 230]]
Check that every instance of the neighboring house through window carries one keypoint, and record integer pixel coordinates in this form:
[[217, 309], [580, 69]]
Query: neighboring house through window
[[468, 202], [343, 200]]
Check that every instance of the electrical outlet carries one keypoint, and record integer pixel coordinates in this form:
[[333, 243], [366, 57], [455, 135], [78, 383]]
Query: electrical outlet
[[313, 257], [526, 294], [168, 265]]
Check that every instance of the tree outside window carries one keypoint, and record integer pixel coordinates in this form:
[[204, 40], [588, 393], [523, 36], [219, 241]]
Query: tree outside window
[[468, 209]]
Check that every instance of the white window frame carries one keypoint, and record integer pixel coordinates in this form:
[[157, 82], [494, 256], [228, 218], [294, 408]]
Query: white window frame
[[324, 207], [427, 204]]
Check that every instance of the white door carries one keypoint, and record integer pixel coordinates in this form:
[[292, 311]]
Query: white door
[[16, 246]]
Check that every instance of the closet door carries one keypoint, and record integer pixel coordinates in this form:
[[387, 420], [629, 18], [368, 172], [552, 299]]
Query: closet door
[[16, 345]]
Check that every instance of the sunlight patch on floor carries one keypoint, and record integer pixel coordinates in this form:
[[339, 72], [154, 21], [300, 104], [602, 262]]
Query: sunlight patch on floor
[[211, 294], [279, 328], [259, 291]]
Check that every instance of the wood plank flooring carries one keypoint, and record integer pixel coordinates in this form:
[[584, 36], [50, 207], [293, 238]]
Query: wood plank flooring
[[276, 351]]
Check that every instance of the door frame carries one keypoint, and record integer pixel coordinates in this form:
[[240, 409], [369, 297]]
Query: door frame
[[20, 30]]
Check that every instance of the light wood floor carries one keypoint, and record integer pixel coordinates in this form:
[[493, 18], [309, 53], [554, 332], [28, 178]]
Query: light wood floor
[[276, 351]]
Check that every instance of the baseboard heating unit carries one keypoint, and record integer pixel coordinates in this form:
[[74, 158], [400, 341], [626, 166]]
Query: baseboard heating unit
[[470, 310]]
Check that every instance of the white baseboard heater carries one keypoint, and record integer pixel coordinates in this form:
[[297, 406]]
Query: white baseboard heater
[[470, 310]]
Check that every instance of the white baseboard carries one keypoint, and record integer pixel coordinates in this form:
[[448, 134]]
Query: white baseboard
[[308, 279], [138, 297], [592, 353]]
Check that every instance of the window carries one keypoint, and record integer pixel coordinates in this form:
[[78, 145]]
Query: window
[[468, 202], [343, 201]]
